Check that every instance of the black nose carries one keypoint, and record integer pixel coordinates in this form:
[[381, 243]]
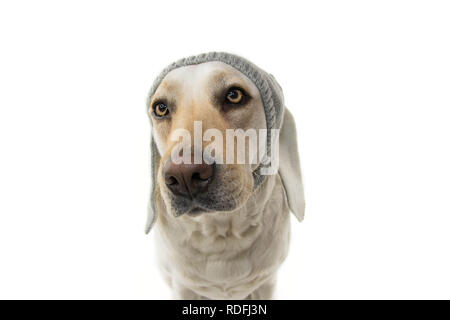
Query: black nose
[[187, 179]]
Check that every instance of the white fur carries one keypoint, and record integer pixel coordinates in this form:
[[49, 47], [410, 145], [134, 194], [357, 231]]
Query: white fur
[[224, 255], [227, 255]]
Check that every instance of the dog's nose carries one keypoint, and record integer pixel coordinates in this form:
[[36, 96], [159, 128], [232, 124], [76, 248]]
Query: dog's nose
[[187, 179]]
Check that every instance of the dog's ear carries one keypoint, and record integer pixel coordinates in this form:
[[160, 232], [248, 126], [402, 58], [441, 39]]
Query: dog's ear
[[151, 209], [289, 169]]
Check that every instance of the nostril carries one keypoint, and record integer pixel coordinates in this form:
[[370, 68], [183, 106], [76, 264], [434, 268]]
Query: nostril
[[198, 176], [171, 181], [201, 177]]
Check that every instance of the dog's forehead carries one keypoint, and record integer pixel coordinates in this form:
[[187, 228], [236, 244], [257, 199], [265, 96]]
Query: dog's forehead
[[205, 76]]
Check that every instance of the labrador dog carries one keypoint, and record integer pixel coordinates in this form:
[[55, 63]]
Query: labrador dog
[[222, 229]]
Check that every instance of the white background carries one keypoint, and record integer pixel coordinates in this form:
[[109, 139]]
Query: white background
[[367, 81]]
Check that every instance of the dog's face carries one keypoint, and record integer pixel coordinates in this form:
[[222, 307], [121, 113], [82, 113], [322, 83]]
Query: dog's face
[[221, 98]]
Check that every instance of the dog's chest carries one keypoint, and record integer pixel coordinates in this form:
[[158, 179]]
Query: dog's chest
[[228, 257]]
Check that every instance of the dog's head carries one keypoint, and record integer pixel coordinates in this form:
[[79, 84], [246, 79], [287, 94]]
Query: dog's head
[[217, 97], [207, 118]]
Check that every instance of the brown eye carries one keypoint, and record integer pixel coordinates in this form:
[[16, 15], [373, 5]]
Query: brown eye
[[234, 96], [161, 110]]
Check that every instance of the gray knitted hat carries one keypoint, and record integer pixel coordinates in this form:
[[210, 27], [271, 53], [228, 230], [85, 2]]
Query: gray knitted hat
[[277, 117]]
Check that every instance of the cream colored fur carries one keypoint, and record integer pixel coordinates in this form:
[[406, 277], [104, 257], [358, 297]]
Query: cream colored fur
[[219, 255], [227, 256]]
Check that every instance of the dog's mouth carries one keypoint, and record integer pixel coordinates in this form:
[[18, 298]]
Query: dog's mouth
[[228, 191], [195, 211], [195, 207]]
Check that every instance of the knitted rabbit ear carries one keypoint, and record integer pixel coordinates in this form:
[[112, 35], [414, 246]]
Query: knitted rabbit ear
[[289, 169], [151, 209]]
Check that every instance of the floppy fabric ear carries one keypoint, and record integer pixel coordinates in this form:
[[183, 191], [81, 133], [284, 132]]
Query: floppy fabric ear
[[289, 169], [151, 209]]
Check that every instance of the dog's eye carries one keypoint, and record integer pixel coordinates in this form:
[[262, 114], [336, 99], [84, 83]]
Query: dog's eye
[[160, 110], [234, 96]]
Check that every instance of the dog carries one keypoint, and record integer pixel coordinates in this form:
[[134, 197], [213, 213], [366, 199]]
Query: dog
[[222, 229]]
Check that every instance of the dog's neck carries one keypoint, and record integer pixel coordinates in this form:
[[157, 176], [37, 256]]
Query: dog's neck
[[211, 233]]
